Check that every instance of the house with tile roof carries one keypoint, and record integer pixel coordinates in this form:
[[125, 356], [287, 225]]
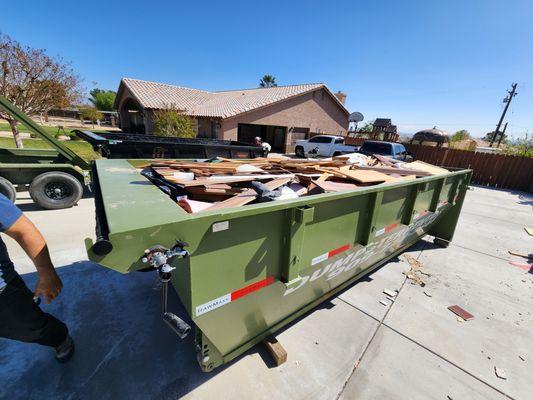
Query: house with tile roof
[[279, 115]]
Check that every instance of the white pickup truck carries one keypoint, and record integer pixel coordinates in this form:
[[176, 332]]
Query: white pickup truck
[[322, 145]]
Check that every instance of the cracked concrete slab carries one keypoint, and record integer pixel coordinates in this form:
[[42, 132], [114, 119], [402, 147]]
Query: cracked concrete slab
[[322, 349], [396, 368], [367, 293], [492, 236], [494, 292]]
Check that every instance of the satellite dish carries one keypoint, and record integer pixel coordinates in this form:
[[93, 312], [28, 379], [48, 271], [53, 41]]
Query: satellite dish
[[356, 117]]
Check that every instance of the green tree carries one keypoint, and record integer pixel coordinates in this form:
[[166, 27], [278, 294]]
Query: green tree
[[368, 127], [460, 135], [103, 100], [268, 81], [34, 82], [520, 147], [488, 137], [91, 113], [173, 123]]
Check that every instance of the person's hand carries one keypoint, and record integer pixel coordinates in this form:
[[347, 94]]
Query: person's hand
[[48, 285]]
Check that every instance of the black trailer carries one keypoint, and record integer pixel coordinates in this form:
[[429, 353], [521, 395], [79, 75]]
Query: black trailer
[[129, 145]]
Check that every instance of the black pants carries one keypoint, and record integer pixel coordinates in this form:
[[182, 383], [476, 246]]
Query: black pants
[[21, 319]]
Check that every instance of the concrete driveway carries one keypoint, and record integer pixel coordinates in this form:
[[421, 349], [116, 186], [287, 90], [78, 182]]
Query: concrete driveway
[[351, 347]]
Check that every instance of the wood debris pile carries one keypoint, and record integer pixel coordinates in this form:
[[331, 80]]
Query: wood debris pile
[[223, 183]]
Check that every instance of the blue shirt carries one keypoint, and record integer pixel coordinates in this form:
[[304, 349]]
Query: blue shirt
[[9, 213]]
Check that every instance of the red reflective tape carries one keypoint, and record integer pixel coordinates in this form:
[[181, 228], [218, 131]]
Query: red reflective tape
[[390, 227], [338, 250], [251, 288]]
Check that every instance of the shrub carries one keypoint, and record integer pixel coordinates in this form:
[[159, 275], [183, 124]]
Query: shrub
[[91, 113], [173, 123]]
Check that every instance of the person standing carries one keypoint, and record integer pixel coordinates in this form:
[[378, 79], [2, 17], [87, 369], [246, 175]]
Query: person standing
[[20, 316]]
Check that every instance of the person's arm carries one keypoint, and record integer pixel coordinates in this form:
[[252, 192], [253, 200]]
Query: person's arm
[[30, 239]]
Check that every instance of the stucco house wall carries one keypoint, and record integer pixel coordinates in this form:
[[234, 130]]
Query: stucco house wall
[[316, 110]]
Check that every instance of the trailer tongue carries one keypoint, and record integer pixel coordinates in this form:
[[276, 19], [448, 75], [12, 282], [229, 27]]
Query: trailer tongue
[[242, 273]]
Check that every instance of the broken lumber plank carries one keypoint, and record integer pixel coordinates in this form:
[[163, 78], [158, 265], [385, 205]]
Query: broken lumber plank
[[276, 350], [384, 160], [208, 181], [201, 190], [392, 170], [324, 177], [248, 195], [360, 176], [226, 179], [256, 177], [515, 253], [461, 312], [335, 187], [208, 166], [422, 166]]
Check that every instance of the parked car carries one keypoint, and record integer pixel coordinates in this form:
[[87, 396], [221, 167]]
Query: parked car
[[396, 151], [322, 145]]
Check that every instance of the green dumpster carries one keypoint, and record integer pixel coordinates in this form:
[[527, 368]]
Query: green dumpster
[[245, 272]]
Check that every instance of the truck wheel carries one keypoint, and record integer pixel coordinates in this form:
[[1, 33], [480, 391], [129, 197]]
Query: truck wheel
[[55, 190], [7, 189], [299, 152]]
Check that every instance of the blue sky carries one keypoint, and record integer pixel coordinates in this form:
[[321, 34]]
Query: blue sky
[[421, 63]]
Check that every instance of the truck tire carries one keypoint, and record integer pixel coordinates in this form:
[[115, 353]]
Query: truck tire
[[55, 190], [7, 189], [299, 151]]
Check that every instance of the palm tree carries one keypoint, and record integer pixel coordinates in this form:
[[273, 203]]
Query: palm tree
[[268, 81]]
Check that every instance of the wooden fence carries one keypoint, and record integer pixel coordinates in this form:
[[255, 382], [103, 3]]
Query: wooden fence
[[350, 141], [354, 141], [510, 172]]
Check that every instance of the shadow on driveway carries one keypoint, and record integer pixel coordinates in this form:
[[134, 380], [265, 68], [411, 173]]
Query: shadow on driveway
[[123, 349]]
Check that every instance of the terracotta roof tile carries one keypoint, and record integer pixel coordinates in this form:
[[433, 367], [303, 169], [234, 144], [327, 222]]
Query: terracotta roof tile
[[224, 104]]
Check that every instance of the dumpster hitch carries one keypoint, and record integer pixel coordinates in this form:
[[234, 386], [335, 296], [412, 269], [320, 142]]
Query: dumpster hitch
[[158, 257]]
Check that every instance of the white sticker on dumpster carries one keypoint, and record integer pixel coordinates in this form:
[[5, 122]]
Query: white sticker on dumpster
[[211, 305], [220, 226]]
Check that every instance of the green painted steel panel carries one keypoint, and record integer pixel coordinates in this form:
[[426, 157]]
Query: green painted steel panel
[[18, 115], [301, 250]]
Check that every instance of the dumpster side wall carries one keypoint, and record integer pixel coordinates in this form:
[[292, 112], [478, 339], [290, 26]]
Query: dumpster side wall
[[253, 269]]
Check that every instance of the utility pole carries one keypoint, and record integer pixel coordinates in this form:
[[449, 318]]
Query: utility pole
[[503, 134], [511, 93]]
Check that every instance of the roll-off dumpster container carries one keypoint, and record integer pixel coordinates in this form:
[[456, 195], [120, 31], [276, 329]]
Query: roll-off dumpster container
[[251, 270]]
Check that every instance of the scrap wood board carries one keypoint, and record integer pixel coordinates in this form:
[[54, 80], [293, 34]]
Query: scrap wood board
[[392, 170], [461, 312], [227, 181], [329, 186], [276, 350], [432, 169], [248, 195], [361, 176]]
